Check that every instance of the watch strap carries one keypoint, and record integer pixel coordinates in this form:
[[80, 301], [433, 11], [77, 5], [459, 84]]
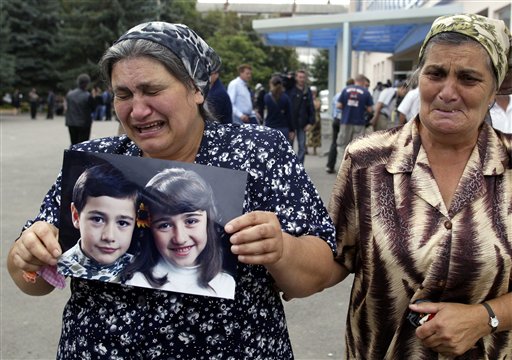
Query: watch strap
[[492, 316]]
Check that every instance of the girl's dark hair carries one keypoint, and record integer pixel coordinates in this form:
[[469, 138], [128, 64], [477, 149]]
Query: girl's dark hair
[[276, 88], [176, 191], [134, 48]]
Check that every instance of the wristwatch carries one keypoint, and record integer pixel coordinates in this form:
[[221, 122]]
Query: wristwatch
[[493, 320]]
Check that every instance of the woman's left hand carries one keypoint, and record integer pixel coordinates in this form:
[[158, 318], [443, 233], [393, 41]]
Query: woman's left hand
[[300, 266], [454, 329], [256, 238]]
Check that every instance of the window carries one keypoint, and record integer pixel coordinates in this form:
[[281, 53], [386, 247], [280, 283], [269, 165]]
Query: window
[[504, 14]]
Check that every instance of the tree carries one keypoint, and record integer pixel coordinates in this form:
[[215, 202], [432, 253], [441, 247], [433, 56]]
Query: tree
[[235, 50], [320, 69], [49, 43], [180, 12], [236, 42], [31, 39], [88, 28], [7, 58]]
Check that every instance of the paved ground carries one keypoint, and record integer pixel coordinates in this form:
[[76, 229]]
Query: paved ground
[[30, 158]]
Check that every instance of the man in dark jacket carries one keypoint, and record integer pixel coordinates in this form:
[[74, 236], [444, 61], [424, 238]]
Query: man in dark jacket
[[303, 112], [218, 100], [79, 106]]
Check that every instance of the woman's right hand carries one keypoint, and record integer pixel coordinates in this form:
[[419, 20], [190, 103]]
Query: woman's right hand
[[37, 246]]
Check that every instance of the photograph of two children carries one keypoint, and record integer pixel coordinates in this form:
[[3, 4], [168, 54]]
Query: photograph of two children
[[150, 223]]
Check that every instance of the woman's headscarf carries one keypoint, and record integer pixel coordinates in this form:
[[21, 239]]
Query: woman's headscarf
[[492, 34], [195, 54]]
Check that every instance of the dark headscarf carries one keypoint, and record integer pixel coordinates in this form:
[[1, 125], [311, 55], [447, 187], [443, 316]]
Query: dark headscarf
[[196, 55]]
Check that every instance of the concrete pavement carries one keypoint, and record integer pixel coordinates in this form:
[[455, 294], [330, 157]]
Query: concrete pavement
[[30, 158]]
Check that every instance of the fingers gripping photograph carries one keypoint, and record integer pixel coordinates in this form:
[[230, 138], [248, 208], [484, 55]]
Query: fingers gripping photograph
[[170, 302], [423, 211]]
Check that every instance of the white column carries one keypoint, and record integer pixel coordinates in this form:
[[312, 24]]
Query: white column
[[345, 45], [331, 80]]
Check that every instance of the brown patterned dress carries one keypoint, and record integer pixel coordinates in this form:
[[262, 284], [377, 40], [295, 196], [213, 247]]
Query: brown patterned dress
[[314, 135], [396, 235]]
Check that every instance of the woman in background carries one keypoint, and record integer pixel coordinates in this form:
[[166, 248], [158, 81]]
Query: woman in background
[[315, 132], [278, 108]]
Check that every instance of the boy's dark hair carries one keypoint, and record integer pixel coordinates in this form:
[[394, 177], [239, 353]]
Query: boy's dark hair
[[103, 180], [176, 191]]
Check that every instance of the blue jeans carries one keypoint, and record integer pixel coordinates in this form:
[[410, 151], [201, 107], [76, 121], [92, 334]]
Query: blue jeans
[[300, 135]]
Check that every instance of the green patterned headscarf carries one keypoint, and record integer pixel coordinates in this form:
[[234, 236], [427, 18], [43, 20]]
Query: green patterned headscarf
[[492, 34]]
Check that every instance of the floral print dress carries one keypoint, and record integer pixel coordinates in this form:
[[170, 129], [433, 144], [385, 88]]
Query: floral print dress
[[112, 321]]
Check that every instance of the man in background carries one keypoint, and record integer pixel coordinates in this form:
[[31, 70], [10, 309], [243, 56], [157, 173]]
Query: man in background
[[33, 99], [354, 102], [303, 112], [409, 107], [501, 113], [50, 104], [241, 97], [259, 102], [218, 99], [79, 106], [336, 120], [383, 117]]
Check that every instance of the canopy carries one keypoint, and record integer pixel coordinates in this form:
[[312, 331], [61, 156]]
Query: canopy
[[374, 31]]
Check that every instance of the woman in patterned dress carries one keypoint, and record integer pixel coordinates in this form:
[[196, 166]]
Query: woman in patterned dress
[[284, 241], [423, 212]]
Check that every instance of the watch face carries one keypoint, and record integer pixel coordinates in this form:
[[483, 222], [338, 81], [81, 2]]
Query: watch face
[[494, 322]]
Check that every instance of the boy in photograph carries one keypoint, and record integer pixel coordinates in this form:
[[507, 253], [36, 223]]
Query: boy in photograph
[[103, 208]]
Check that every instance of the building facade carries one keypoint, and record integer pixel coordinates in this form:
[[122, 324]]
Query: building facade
[[379, 38]]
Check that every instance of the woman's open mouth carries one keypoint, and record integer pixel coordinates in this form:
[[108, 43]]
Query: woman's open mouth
[[151, 127]]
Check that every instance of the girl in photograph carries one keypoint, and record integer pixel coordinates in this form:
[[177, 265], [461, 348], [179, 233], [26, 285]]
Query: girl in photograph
[[183, 252]]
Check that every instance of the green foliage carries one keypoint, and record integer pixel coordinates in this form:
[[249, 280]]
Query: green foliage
[[320, 69], [30, 42], [47, 44], [179, 11], [7, 60], [237, 43], [88, 28], [238, 49]]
